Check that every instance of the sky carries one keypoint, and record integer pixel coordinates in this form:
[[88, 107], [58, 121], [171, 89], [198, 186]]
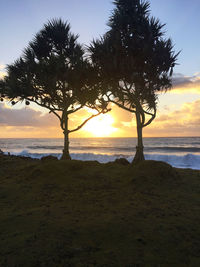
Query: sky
[[178, 110]]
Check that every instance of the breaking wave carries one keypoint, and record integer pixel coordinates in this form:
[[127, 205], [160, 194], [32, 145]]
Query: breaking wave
[[130, 148], [180, 161]]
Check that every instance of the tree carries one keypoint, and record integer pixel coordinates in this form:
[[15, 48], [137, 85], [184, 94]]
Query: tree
[[134, 62], [54, 74], [1, 90]]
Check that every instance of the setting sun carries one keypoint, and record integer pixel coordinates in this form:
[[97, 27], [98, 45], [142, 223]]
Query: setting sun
[[101, 126]]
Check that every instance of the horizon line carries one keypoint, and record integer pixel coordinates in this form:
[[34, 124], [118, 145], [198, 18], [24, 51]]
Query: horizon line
[[99, 137]]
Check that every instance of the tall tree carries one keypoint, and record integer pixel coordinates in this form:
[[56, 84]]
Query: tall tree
[[54, 74], [134, 62]]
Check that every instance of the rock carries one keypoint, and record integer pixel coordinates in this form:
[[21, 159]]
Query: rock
[[122, 161], [1, 152], [46, 158]]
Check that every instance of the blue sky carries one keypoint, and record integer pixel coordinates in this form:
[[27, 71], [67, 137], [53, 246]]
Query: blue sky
[[177, 110], [21, 19]]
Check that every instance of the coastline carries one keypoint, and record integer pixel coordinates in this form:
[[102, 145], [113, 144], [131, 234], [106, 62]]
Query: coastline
[[180, 153]]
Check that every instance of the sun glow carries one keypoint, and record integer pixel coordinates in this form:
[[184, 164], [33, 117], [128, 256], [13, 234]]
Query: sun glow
[[101, 126]]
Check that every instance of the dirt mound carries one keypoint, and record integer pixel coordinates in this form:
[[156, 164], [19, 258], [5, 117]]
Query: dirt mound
[[155, 172], [49, 157], [122, 161]]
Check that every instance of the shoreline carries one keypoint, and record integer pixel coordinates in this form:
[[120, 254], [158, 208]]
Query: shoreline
[[173, 159], [178, 152]]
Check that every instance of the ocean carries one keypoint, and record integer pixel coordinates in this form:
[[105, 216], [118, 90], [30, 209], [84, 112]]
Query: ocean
[[181, 152]]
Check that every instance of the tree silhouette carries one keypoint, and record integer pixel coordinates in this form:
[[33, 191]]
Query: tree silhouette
[[1, 90], [134, 62], [54, 74]]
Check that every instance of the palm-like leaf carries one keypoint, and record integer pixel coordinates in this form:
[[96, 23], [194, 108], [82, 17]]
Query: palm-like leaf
[[54, 73], [134, 60]]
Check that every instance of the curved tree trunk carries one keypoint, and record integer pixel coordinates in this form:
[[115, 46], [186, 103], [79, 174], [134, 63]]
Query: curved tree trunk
[[66, 155], [139, 155]]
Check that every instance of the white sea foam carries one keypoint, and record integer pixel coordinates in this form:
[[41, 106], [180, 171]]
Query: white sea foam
[[179, 152], [180, 161]]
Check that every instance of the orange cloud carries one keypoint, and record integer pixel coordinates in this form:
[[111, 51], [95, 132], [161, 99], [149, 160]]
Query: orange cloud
[[183, 84], [27, 122], [183, 122]]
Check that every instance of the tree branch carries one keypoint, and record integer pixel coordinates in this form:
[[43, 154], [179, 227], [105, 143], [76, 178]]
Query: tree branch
[[95, 115], [151, 119], [74, 110], [42, 105], [148, 113], [121, 106], [143, 116]]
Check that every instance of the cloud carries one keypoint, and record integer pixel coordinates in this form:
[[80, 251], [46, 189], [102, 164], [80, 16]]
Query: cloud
[[27, 122], [2, 71], [122, 117], [183, 122], [182, 83], [33, 123], [29, 117], [25, 117]]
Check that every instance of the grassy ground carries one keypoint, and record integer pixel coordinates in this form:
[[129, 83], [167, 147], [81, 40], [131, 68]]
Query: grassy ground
[[77, 213]]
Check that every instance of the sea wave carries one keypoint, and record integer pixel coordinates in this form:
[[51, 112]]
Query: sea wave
[[188, 149], [180, 161]]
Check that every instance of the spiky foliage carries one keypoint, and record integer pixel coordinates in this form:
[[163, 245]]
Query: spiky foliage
[[53, 73], [134, 61], [2, 84]]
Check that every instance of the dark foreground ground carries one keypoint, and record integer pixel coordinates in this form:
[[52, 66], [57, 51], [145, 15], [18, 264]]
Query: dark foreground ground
[[77, 213]]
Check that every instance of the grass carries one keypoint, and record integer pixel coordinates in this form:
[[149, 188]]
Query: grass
[[75, 213]]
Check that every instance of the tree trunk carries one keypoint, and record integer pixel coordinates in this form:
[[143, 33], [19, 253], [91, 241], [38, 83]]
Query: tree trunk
[[139, 155], [66, 155]]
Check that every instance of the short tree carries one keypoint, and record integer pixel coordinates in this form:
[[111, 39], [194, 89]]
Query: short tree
[[54, 74], [134, 62]]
